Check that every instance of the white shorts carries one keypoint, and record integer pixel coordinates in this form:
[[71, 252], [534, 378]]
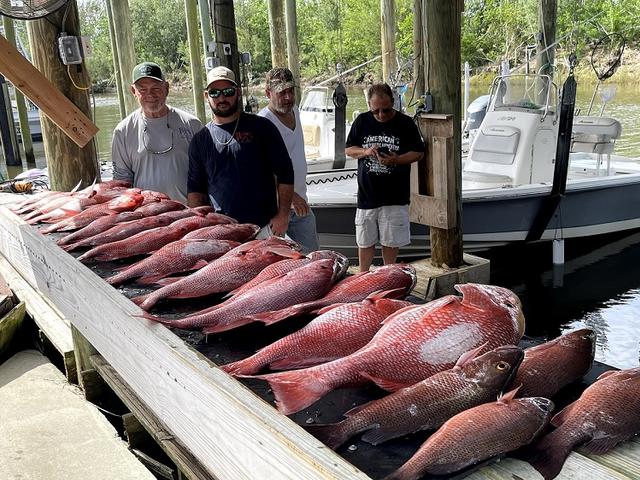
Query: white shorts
[[388, 224], [265, 232]]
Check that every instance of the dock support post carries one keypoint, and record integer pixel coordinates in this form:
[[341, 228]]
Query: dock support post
[[197, 81], [88, 378], [558, 251], [277, 32]]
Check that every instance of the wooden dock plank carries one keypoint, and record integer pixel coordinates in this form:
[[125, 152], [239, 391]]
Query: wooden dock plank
[[625, 458], [234, 433], [9, 324]]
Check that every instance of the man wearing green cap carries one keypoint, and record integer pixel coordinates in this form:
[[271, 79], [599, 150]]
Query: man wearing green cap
[[150, 147]]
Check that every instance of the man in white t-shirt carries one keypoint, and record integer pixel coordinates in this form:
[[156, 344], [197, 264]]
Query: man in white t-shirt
[[150, 147], [283, 112]]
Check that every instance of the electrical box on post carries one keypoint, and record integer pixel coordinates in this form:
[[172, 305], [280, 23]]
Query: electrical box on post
[[69, 48]]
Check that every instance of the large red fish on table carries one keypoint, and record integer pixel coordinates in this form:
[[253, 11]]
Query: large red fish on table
[[607, 413], [227, 273], [398, 277], [414, 343], [339, 331], [477, 434], [304, 283]]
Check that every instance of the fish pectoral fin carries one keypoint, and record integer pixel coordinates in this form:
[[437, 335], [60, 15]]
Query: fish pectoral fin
[[324, 310], [603, 445], [384, 383], [199, 264]]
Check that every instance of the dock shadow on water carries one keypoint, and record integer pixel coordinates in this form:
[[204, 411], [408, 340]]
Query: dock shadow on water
[[597, 277], [598, 287]]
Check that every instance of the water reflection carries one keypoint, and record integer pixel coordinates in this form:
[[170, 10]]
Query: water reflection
[[600, 289]]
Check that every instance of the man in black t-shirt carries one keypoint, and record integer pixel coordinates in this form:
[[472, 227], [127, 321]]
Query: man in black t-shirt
[[239, 162], [386, 143]]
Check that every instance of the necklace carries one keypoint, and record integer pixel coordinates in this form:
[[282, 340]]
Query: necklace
[[145, 133], [230, 138]]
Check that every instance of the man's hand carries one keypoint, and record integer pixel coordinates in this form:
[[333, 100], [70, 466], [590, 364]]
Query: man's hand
[[299, 205], [389, 158], [279, 224]]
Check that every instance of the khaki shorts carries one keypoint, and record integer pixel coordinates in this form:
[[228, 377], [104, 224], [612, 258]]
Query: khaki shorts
[[388, 224]]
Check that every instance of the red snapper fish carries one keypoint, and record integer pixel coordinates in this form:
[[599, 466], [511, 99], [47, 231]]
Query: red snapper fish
[[339, 331], [286, 266], [99, 225], [413, 344], [398, 277], [156, 208], [179, 256], [222, 275], [239, 232], [605, 415], [146, 241], [120, 231], [548, 367], [473, 380], [477, 434], [122, 203], [304, 283]]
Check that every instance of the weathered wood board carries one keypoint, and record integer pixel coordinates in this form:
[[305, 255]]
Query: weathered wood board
[[48, 98], [9, 324]]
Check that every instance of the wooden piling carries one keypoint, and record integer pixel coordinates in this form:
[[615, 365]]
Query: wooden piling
[[197, 80], [418, 53], [116, 64], [388, 38], [67, 162], [277, 33], [547, 13], [441, 44], [126, 53], [224, 29], [293, 58]]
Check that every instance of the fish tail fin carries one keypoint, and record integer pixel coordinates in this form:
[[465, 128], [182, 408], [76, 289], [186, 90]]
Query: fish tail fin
[[51, 228], [69, 247], [546, 456], [139, 300], [88, 254], [153, 318], [297, 389], [331, 434]]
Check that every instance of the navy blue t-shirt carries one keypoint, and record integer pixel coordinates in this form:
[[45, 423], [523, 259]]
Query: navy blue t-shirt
[[381, 185], [240, 177]]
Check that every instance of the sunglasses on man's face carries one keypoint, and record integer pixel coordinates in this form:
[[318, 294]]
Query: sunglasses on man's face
[[227, 92]]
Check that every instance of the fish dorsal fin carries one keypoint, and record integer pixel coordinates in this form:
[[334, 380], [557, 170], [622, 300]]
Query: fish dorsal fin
[[469, 356], [380, 294], [329, 308], [510, 395], [285, 252], [606, 374], [473, 295], [75, 189]]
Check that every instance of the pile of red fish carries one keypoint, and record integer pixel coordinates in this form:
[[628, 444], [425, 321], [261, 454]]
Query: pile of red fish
[[443, 362]]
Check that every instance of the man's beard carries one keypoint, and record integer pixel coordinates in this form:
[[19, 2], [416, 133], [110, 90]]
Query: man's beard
[[226, 113]]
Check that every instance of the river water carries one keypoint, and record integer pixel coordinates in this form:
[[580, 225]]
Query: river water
[[598, 287]]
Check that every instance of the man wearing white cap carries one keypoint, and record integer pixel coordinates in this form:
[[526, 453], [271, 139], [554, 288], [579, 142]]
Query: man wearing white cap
[[150, 147], [239, 163], [283, 112]]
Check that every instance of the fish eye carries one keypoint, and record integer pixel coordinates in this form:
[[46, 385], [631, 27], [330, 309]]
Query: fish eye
[[509, 304], [501, 366]]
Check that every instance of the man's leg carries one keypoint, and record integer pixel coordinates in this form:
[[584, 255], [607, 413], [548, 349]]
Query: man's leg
[[365, 257], [394, 231], [303, 231], [389, 254], [366, 236]]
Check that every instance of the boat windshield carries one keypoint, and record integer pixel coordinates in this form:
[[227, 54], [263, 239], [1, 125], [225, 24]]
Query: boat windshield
[[535, 93], [316, 100]]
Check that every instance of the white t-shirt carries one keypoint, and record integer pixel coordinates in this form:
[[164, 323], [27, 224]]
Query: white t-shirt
[[294, 141], [137, 154]]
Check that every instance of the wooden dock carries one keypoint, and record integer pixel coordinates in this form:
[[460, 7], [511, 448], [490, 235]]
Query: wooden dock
[[209, 424]]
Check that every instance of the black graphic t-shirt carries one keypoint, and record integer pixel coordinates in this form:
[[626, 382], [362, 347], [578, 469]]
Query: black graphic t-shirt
[[380, 185]]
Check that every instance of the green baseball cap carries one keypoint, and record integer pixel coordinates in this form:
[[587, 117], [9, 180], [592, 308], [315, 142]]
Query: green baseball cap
[[147, 70]]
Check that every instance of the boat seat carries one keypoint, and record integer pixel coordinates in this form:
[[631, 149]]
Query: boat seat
[[595, 134], [496, 145]]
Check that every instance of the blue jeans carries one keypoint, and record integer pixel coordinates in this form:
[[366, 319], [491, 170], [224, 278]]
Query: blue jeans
[[303, 231]]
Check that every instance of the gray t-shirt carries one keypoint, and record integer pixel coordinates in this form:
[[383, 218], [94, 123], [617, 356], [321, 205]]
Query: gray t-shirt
[[140, 156]]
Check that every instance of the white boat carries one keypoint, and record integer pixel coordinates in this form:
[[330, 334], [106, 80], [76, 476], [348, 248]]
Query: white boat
[[508, 176], [33, 117]]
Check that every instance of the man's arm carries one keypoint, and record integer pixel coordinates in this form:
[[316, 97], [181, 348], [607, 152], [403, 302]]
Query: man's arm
[[280, 222], [196, 199], [119, 158], [359, 152], [404, 159]]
